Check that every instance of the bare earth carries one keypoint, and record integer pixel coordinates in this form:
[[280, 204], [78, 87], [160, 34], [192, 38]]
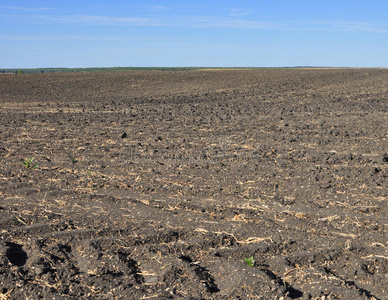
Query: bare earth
[[158, 185]]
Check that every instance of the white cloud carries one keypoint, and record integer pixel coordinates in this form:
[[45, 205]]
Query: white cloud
[[98, 20], [56, 38], [210, 22], [49, 38], [240, 12], [237, 19], [351, 26], [20, 8], [157, 8]]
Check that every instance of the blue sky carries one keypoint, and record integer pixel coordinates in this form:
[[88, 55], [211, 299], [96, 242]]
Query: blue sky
[[172, 33]]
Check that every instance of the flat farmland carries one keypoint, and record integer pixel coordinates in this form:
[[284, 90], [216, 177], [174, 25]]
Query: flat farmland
[[200, 184]]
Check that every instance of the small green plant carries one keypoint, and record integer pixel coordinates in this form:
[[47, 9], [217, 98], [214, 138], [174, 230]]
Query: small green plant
[[250, 261], [28, 163]]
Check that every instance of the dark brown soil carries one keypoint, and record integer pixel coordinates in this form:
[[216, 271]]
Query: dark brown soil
[[158, 185]]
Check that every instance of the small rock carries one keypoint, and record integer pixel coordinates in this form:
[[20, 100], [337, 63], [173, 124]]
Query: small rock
[[152, 279], [385, 157], [124, 135]]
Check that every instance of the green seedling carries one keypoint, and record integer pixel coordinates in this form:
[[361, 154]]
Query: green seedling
[[250, 261], [29, 163]]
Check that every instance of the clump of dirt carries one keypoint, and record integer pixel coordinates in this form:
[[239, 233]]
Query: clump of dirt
[[158, 185]]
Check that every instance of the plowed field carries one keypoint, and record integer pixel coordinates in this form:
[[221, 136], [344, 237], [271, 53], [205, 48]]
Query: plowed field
[[162, 184]]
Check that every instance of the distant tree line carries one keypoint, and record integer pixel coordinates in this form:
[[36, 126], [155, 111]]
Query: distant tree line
[[70, 70]]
